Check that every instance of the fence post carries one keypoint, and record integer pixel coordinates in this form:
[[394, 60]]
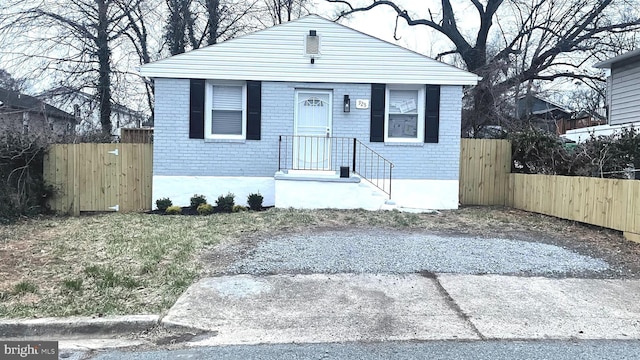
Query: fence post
[[76, 178], [353, 164]]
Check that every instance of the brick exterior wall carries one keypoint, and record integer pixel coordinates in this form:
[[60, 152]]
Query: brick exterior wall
[[11, 120], [176, 154]]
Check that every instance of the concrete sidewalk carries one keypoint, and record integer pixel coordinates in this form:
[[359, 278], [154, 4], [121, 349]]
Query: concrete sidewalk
[[246, 309]]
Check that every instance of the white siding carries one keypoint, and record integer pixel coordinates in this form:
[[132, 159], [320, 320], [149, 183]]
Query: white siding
[[625, 94], [278, 54], [608, 92]]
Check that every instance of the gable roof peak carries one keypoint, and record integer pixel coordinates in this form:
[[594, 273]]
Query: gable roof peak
[[277, 53]]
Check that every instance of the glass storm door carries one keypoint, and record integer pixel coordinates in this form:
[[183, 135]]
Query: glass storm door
[[312, 143]]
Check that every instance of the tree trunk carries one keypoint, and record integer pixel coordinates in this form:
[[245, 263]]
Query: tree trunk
[[483, 101], [213, 10], [104, 72]]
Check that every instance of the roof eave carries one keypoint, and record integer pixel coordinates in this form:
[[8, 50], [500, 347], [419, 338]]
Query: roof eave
[[608, 63], [466, 80]]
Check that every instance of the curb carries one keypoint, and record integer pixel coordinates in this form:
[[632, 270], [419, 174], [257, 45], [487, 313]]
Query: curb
[[58, 327], [177, 326]]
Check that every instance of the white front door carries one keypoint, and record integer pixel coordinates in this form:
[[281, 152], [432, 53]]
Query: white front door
[[312, 143]]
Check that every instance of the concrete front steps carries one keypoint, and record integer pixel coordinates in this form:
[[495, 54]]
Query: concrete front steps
[[324, 190]]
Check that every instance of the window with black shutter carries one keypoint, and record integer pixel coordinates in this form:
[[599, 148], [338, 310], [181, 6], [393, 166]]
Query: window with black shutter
[[225, 110], [405, 113]]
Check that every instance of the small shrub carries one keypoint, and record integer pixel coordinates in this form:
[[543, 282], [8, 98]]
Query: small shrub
[[255, 201], [205, 209], [238, 208], [23, 190], [163, 204], [25, 287], [197, 200], [225, 203], [173, 210]]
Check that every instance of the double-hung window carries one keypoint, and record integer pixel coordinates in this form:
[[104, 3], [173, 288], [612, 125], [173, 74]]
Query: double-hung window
[[404, 115], [225, 110]]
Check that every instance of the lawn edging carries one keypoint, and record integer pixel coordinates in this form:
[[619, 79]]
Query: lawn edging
[[61, 327]]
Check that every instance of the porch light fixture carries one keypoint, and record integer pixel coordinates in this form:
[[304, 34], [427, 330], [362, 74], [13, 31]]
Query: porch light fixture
[[347, 104]]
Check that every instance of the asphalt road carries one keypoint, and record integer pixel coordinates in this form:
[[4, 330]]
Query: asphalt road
[[433, 350]]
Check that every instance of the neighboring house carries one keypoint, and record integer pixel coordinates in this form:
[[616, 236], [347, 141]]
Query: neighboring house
[[543, 114], [279, 112], [623, 88], [85, 107], [583, 119], [623, 96], [25, 114]]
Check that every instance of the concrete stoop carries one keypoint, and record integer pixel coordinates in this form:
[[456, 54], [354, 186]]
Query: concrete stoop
[[326, 191]]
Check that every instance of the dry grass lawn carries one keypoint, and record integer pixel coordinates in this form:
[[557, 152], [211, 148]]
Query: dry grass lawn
[[140, 263]]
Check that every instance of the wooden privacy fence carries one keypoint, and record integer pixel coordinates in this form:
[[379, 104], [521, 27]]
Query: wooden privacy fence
[[485, 179], [136, 135], [484, 171], [99, 177], [611, 203]]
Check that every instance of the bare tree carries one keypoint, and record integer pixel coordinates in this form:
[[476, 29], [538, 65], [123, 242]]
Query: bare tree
[[176, 28], [227, 19], [537, 40], [95, 45], [74, 38], [586, 99], [8, 82], [192, 24], [281, 11], [139, 15]]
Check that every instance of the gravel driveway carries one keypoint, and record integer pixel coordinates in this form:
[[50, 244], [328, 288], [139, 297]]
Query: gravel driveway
[[392, 251]]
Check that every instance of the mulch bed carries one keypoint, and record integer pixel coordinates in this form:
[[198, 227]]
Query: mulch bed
[[189, 211]]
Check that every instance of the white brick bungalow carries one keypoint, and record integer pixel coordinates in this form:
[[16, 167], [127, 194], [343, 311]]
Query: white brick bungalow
[[283, 110]]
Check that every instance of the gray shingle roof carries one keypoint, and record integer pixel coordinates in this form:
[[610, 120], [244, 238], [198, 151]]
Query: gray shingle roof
[[16, 100]]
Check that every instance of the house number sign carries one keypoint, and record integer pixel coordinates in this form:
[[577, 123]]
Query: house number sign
[[362, 104]]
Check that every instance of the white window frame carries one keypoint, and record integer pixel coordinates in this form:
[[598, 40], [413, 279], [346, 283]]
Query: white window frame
[[208, 108], [421, 109]]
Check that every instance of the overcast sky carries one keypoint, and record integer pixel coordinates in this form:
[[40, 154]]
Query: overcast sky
[[380, 22]]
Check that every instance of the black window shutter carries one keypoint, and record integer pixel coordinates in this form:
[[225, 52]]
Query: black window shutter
[[254, 109], [377, 112], [196, 109], [432, 114]]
